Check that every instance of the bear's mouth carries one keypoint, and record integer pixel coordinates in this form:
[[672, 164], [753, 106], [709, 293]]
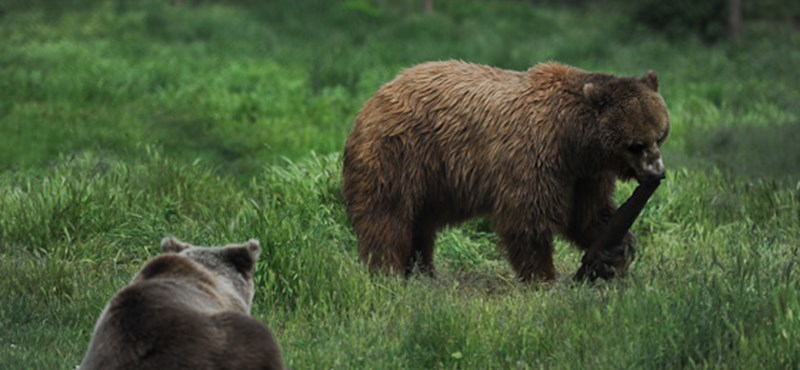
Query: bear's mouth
[[630, 174]]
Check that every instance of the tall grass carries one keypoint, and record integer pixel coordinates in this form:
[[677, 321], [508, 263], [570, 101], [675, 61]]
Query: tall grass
[[123, 122], [714, 286]]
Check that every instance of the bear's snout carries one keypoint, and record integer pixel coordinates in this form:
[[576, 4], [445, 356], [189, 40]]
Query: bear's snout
[[652, 170]]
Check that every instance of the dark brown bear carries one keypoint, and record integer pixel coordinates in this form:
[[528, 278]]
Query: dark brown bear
[[539, 151], [186, 309]]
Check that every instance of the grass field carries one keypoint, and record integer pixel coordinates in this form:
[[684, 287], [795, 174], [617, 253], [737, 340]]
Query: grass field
[[122, 122]]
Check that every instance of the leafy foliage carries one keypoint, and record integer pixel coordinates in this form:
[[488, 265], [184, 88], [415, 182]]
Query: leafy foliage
[[705, 18]]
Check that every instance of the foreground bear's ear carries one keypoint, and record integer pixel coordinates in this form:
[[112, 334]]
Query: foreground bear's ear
[[243, 257], [595, 94], [173, 245], [254, 247], [651, 80]]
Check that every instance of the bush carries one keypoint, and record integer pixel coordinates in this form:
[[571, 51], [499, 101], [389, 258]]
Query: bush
[[677, 19]]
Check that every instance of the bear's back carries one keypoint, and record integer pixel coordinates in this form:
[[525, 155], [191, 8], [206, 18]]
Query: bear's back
[[451, 85], [142, 327], [138, 333], [176, 314], [168, 303], [476, 108], [459, 132]]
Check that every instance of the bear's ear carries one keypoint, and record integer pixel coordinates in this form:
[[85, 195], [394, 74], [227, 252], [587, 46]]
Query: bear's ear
[[650, 79], [172, 245], [243, 257], [254, 247], [595, 94]]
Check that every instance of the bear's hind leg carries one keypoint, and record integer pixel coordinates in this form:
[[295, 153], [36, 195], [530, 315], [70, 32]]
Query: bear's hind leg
[[424, 240], [531, 255]]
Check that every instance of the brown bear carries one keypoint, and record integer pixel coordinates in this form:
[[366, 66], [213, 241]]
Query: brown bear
[[188, 308], [539, 151]]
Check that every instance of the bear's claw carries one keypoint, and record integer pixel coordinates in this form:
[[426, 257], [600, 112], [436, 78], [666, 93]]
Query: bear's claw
[[606, 264]]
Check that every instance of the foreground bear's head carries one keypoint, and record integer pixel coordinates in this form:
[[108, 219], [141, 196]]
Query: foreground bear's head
[[186, 309], [231, 265], [634, 118]]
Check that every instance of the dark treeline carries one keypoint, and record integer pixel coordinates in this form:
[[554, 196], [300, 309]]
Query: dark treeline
[[711, 20]]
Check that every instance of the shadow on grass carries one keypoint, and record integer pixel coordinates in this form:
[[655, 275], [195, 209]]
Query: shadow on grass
[[747, 152], [494, 280]]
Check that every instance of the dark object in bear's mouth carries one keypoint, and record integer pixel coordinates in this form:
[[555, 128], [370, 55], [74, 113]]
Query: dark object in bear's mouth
[[608, 249]]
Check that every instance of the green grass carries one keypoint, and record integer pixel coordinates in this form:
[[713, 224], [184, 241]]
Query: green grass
[[122, 122]]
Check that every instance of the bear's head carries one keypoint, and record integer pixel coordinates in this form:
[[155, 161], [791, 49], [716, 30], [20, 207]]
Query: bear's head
[[633, 122], [232, 264]]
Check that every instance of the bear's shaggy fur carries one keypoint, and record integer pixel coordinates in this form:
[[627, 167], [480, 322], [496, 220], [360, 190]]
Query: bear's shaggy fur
[[539, 151], [186, 309]]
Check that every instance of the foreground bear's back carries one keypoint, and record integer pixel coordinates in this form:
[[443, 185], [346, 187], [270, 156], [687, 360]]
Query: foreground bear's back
[[177, 314], [145, 325], [140, 332]]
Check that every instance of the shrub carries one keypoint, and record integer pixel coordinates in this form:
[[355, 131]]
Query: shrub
[[678, 19]]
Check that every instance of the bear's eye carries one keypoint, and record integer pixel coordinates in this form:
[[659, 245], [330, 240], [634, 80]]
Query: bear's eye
[[662, 139], [636, 148]]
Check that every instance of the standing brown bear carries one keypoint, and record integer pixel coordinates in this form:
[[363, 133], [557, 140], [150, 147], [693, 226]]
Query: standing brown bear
[[539, 151]]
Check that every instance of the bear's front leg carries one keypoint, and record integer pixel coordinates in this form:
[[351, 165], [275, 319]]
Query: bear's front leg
[[592, 209], [529, 250], [531, 256], [611, 253]]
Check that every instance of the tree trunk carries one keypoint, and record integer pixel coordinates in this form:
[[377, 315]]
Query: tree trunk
[[428, 6], [734, 19]]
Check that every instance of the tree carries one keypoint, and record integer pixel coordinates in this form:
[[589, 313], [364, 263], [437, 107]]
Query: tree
[[428, 6], [734, 19]]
